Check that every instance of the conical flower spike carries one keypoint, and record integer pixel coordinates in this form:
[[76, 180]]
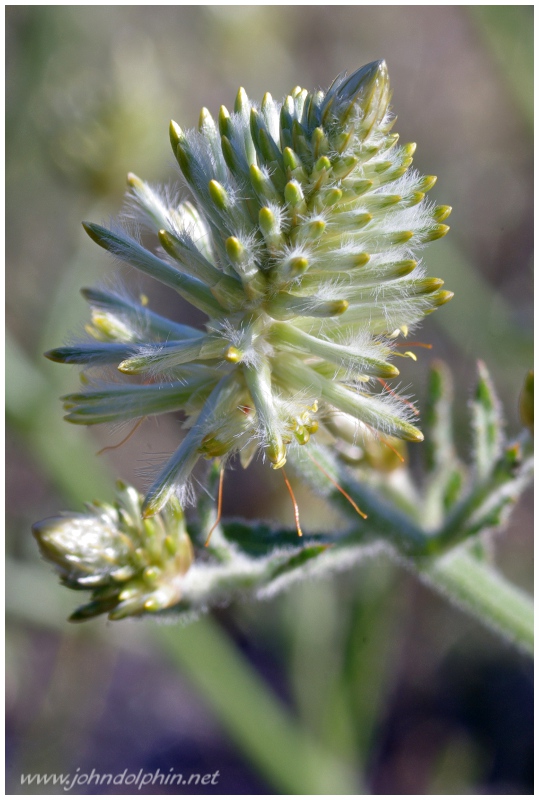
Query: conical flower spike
[[300, 246]]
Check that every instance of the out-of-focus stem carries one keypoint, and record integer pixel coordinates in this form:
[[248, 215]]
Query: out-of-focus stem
[[283, 752], [480, 589]]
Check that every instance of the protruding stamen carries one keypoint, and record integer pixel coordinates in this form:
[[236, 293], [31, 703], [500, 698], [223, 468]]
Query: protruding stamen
[[414, 344], [394, 450], [393, 393], [294, 501], [135, 427], [336, 485]]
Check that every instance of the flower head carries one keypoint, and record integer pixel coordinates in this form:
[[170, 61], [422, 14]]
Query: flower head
[[132, 565], [300, 247]]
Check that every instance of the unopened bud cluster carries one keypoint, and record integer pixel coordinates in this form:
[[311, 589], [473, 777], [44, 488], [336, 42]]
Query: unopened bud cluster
[[300, 246], [132, 565]]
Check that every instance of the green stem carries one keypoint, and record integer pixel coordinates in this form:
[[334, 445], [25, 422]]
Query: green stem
[[284, 753], [383, 519], [471, 584], [485, 593]]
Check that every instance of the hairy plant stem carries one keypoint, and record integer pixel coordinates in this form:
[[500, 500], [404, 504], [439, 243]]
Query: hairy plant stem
[[480, 589], [468, 582]]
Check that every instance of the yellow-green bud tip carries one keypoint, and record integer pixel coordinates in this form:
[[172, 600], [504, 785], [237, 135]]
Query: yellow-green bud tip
[[234, 249], [134, 181], [242, 101], [412, 434], [441, 213], [218, 194], [299, 264], [437, 232], [388, 371], [339, 306], [429, 285], [444, 297], [166, 240], [176, 134], [267, 221], [205, 119]]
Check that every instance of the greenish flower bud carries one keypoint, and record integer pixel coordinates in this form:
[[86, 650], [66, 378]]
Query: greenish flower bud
[[131, 565], [270, 229]]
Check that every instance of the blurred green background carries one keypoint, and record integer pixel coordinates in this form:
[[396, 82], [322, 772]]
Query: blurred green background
[[365, 683]]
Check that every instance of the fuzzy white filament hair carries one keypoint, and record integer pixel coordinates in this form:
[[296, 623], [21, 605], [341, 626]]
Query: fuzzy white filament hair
[[300, 247]]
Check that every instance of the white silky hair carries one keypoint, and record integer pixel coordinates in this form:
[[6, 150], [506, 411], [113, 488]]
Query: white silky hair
[[151, 202]]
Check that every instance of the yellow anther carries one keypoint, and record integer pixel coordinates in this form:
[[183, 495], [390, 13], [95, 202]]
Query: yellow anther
[[233, 355], [302, 435], [276, 453]]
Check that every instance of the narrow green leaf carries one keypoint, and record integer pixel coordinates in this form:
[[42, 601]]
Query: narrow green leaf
[[439, 448], [486, 424], [130, 251]]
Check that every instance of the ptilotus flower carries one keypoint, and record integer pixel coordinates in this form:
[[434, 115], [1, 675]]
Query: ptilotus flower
[[301, 248], [132, 565]]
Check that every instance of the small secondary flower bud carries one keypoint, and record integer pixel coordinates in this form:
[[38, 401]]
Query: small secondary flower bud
[[130, 564]]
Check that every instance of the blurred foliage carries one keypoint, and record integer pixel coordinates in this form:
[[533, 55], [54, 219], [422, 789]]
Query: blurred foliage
[[368, 675], [508, 31]]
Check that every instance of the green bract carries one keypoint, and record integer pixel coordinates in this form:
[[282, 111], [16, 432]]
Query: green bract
[[301, 248], [132, 565]]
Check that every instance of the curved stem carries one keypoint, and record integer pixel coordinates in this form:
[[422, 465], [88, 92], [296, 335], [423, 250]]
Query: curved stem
[[468, 582], [269, 735], [384, 520], [484, 592]]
